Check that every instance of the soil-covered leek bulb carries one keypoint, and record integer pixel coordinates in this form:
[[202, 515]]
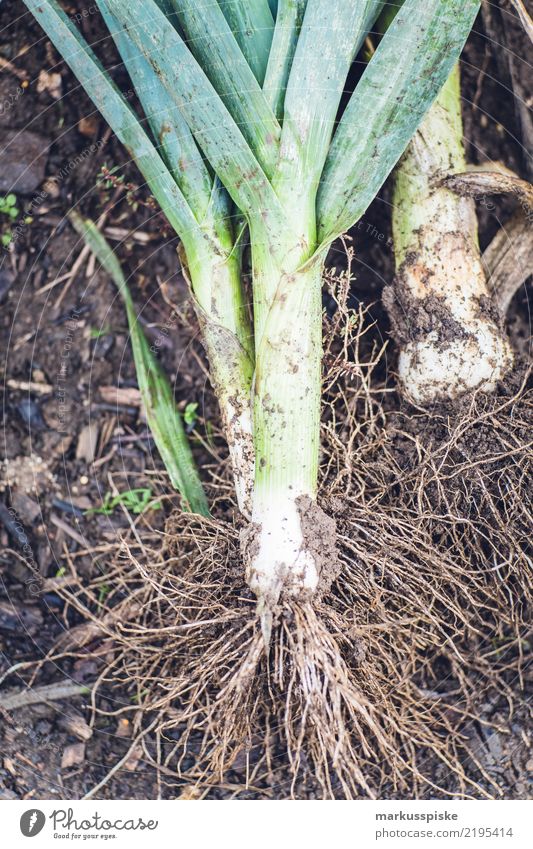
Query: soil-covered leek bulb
[[448, 330]]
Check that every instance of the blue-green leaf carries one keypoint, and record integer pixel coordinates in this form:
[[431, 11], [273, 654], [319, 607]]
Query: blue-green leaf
[[252, 24], [401, 81], [330, 35], [116, 111], [288, 23], [212, 43], [176, 143], [214, 128]]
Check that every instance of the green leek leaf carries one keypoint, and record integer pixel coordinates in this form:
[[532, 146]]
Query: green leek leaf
[[330, 35], [213, 126], [252, 24], [162, 415], [176, 143], [288, 23], [116, 111], [401, 81], [212, 43]]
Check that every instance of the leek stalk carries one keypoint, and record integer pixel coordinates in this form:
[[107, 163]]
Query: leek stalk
[[439, 272]]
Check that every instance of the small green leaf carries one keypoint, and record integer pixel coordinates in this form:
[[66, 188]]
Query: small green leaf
[[189, 416], [134, 500], [105, 589], [96, 333]]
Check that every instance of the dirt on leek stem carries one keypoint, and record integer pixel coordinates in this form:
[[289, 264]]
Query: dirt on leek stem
[[450, 335], [215, 282]]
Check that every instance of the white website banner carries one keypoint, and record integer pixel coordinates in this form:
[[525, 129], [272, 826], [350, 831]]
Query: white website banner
[[254, 825]]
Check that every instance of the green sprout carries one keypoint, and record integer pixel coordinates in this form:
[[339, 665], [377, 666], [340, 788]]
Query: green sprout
[[134, 500], [107, 177], [98, 332], [9, 209], [8, 206], [105, 589], [189, 416]]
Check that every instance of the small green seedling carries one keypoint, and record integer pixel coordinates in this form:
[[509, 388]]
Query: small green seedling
[[189, 416], [135, 699], [98, 332], [134, 500], [105, 589], [108, 178], [8, 206]]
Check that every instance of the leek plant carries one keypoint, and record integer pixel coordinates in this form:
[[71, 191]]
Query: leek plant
[[243, 133], [450, 334]]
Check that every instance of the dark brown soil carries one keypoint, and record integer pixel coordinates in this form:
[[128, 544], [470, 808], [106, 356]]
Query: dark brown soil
[[66, 443]]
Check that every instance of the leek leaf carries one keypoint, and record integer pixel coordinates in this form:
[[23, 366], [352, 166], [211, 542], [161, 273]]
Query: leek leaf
[[214, 128], [288, 22], [212, 43], [252, 24], [116, 111], [330, 35], [401, 81], [162, 415], [177, 145]]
